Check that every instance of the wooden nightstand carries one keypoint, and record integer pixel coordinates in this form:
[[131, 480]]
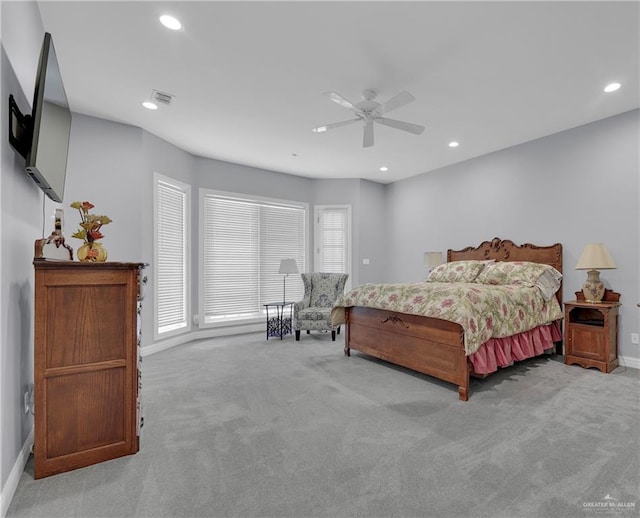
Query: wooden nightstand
[[591, 332]]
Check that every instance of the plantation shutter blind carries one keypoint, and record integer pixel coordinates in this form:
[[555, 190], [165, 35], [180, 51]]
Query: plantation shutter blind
[[171, 236], [283, 238], [333, 240], [243, 243], [230, 259]]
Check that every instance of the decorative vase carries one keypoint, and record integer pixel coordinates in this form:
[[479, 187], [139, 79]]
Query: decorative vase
[[593, 287], [92, 253]]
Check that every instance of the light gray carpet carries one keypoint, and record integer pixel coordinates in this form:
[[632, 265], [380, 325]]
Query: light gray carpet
[[244, 427]]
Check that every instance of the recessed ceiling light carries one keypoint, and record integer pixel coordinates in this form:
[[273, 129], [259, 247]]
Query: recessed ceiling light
[[384, 169], [454, 144], [612, 87], [170, 22], [149, 105]]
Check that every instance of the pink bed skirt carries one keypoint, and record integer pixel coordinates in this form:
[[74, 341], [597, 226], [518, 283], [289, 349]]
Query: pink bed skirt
[[502, 352]]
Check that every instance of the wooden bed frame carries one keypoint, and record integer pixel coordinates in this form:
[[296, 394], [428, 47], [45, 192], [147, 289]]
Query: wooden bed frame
[[430, 345]]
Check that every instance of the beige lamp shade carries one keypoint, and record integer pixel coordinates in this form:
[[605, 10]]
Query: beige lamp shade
[[595, 256], [288, 266], [432, 259]]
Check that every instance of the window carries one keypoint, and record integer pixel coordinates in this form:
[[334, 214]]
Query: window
[[171, 232], [333, 239], [243, 240]]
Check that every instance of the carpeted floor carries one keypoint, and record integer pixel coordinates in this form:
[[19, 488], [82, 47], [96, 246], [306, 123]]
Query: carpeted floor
[[244, 427]]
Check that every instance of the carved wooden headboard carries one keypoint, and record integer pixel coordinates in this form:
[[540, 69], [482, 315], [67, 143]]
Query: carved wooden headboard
[[506, 250]]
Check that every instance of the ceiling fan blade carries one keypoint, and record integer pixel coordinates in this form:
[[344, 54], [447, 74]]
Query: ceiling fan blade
[[401, 125], [367, 140], [322, 129], [338, 99], [395, 102]]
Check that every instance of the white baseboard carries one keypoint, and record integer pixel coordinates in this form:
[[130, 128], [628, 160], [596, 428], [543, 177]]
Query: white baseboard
[[156, 347], [10, 487], [199, 335], [229, 330], [629, 361]]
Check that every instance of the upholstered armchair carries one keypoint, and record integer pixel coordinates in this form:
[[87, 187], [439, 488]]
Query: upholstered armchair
[[313, 312]]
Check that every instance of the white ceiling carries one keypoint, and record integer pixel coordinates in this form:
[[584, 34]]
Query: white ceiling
[[249, 77]]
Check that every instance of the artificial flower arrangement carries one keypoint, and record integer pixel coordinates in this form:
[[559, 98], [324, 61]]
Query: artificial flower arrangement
[[90, 224], [89, 232]]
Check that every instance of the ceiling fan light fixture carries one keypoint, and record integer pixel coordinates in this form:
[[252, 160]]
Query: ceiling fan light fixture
[[170, 22], [369, 111], [612, 87]]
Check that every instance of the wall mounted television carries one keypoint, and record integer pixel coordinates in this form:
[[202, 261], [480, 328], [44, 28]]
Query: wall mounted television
[[42, 138]]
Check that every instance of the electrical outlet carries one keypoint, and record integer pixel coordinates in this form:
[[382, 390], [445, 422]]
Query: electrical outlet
[[635, 338]]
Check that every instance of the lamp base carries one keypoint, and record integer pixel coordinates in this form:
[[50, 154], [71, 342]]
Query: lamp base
[[593, 287], [284, 288]]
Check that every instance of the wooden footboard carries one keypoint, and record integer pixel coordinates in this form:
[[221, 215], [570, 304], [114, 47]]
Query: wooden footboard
[[428, 345]]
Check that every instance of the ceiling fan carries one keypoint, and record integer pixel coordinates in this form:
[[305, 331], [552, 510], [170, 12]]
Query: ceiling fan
[[369, 111]]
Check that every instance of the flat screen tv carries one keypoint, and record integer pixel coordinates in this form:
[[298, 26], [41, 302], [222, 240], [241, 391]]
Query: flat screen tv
[[42, 138]]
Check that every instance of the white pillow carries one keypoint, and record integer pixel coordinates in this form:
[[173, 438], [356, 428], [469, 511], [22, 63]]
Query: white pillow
[[549, 282]]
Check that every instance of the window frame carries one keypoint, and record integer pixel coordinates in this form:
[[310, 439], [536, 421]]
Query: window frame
[[249, 198], [317, 240], [185, 189]]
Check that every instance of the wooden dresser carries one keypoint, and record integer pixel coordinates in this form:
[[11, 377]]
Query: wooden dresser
[[87, 376]]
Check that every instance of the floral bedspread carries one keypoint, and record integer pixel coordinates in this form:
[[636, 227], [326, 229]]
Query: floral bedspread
[[484, 311]]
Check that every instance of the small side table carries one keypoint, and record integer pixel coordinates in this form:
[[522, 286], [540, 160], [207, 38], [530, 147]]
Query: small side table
[[591, 332], [279, 318]]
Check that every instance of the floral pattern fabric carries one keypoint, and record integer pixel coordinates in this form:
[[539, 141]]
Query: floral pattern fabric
[[483, 311], [321, 290], [515, 272], [457, 271]]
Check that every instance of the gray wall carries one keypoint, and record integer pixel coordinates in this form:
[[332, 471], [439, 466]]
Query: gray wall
[[20, 224], [541, 192], [107, 167], [371, 225], [574, 187], [368, 215]]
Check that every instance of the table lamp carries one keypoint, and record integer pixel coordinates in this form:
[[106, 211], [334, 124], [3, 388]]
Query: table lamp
[[287, 266], [594, 257], [432, 259]]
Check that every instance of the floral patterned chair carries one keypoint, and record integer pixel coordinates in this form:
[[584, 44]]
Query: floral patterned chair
[[313, 312]]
